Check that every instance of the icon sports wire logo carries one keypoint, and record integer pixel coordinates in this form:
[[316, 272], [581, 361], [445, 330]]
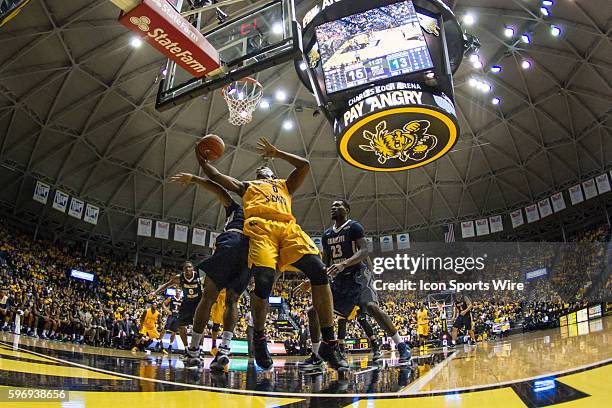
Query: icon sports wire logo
[[160, 36]]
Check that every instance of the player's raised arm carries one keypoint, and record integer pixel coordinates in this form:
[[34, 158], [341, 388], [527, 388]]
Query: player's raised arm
[[225, 181], [173, 281], [302, 165], [185, 178]]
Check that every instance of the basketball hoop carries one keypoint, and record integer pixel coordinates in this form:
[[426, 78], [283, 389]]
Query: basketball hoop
[[242, 98]]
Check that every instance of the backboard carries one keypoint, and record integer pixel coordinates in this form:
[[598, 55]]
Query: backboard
[[259, 37]]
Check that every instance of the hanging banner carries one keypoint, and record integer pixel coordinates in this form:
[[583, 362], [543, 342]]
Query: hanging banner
[[497, 224], [590, 190], [386, 243], [76, 208], [603, 184], [517, 218], [403, 241], [91, 214], [162, 229], [558, 202], [60, 201], [467, 229], [318, 242], [370, 242], [545, 208], [531, 211], [180, 233], [576, 194], [145, 226], [199, 237], [41, 192], [482, 227]]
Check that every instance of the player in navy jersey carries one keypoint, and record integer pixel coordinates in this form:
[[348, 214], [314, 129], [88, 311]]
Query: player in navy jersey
[[344, 252], [225, 269], [172, 307]]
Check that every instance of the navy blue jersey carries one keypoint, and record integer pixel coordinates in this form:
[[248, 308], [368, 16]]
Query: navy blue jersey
[[341, 244], [175, 305], [234, 217], [192, 289]]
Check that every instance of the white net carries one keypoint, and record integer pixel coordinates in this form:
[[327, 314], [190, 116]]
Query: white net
[[242, 98]]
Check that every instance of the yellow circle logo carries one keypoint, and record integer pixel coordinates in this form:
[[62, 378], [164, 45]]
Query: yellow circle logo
[[399, 139]]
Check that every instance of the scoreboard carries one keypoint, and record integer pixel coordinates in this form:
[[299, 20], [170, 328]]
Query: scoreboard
[[381, 72]]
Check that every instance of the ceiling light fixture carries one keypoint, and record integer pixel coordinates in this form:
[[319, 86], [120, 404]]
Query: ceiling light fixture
[[555, 31], [469, 19], [496, 69], [526, 64], [509, 32], [136, 42]]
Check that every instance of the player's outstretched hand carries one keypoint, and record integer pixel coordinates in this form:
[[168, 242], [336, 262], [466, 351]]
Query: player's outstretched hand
[[267, 149], [182, 179], [302, 289]]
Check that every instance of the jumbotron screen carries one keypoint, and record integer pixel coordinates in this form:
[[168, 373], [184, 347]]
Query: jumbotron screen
[[380, 43]]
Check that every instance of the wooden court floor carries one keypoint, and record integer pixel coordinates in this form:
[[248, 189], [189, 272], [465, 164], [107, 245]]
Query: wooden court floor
[[565, 367]]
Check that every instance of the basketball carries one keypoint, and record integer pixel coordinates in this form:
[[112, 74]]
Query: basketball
[[211, 147]]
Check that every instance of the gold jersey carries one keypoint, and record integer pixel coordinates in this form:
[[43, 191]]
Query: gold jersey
[[150, 319], [268, 199], [422, 317]]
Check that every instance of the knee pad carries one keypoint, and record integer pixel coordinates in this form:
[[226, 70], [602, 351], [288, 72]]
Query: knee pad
[[313, 268], [264, 281]]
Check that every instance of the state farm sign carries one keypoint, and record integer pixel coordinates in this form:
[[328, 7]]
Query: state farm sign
[[159, 24]]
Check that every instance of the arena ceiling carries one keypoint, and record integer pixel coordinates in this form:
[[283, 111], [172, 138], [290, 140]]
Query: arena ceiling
[[77, 111]]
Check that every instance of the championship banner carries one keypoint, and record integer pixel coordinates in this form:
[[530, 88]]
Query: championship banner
[[60, 201], [590, 190], [603, 184], [91, 214], [482, 227], [517, 218], [496, 223], [76, 208], [403, 241], [145, 226], [212, 239], [370, 243], [396, 126], [545, 208], [386, 243], [575, 193], [531, 211], [41, 192], [180, 233], [318, 242], [558, 202], [199, 237], [467, 229], [162, 229], [159, 24]]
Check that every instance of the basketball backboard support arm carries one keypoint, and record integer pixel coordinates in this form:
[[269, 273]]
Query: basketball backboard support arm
[[251, 42]]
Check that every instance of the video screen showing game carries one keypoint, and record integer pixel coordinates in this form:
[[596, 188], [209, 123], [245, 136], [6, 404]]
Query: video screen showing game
[[380, 43]]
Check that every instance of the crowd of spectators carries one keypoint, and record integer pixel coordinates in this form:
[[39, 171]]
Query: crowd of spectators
[[38, 295]]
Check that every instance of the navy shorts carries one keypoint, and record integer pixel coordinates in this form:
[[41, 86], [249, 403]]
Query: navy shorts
[[228, 267], [172, 324]]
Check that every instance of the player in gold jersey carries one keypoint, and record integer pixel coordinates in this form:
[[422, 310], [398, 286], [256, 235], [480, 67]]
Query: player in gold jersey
[[278, 243]]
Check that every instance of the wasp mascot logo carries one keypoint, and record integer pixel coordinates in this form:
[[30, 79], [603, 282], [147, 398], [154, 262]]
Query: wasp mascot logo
[[410, 143]]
